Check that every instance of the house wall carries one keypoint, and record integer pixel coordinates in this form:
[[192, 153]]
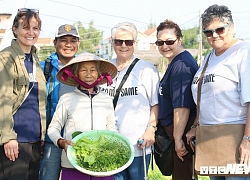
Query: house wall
[[4, 20]]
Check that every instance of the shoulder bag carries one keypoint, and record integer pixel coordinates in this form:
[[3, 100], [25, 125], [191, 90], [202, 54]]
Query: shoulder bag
[[163, 151], [216, 145]]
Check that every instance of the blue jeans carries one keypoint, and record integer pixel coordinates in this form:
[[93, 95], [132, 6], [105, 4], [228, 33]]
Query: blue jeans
[[50, 165], [135, 171], [229, 178]]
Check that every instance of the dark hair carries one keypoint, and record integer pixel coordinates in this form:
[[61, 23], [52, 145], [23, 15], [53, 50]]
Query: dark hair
[[168, 24], [56, 38], [26, 16], [216, 12]]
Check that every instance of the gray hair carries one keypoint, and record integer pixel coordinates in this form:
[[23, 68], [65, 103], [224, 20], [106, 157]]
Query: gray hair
[[216, 12], [125, 26]]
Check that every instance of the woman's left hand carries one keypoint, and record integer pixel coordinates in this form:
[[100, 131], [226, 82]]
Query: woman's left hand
[[190, 134], [148, 139], [63, 143], [244, 150]]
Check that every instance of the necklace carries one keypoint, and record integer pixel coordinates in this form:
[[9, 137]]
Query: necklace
[[27, 56]]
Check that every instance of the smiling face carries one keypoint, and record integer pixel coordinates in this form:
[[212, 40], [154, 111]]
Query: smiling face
[[124, 52], [220, 41], [27, 35], [169, 51], [66, 47], [87, 72]]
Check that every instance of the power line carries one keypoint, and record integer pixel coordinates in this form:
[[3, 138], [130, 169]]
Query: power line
[[189, 21], [99, 12], [74, 20]]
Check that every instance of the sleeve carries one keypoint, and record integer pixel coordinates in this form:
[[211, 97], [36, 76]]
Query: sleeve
[[244, 73], [6, 103], [150, 78], [180, 84], [58, 121], [111, 122]]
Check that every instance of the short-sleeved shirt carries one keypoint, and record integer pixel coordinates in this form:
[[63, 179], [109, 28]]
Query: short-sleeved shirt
[[175, 87], [225, 88], [137, 95]]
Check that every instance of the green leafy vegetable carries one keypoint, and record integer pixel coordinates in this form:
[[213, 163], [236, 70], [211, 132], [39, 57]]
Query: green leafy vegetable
[[101, 155], [75, 134]]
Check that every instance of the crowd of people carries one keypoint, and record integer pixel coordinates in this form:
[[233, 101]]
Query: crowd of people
[[44, 101]]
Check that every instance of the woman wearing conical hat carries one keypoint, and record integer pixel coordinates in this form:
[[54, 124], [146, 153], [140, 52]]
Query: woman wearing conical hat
[[84, 109]]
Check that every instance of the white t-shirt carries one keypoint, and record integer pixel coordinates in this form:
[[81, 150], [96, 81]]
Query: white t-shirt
[[138, 94], [225, 89]]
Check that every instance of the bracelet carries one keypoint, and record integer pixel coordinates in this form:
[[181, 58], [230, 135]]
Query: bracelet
[[194, 126], [246, 137], [150, 125]]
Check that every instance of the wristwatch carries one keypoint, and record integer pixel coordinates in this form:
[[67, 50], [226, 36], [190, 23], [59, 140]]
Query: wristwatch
[[246, 137], [194, 126]]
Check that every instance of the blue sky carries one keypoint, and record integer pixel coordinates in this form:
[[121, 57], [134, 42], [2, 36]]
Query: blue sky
[[106, 13]]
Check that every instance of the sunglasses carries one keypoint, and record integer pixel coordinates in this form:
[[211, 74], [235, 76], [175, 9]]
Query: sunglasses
[[167, 42], [119, 42], [27, 9], [219, 31]]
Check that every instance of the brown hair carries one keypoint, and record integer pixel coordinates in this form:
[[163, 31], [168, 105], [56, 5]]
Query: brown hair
[[168, 24], [26, 16]]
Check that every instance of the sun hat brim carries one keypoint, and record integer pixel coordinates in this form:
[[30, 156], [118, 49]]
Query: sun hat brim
[[105, 66]]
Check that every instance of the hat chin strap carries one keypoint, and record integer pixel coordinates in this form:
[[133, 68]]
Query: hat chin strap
[[67, 73]]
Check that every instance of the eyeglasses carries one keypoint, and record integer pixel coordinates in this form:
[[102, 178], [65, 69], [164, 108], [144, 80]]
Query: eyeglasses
[[219, 31], [27, 9], [167, 42], [119, 42]]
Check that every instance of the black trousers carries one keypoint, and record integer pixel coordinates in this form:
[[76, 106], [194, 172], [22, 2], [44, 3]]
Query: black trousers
[[25, 167], [183, 170]]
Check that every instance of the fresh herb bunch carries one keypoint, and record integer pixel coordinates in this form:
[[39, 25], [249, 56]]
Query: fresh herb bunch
[[101, 155]]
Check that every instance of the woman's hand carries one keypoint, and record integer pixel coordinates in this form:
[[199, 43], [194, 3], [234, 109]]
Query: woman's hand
[[63, 143], [11, 149], [244, 150], [190, 134], [148, 138], [180, 148]]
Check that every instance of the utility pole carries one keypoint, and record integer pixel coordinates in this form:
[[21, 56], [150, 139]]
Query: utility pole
[[199, 61]]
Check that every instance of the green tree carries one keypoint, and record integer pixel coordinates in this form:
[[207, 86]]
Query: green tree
[[45, 52], [89, 37], [151, 25], [190, 39]]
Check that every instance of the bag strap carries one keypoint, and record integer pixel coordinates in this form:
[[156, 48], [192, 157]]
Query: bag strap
[[47, 69], [47, 73], [118, 90], [199, 90]]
